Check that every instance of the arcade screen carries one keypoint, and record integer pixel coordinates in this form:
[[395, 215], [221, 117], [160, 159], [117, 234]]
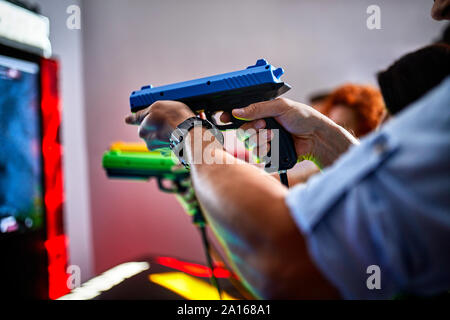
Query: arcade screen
[[21, 186]]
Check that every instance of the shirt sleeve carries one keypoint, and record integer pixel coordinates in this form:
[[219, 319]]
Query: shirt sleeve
[[377, 223], [365, 230]]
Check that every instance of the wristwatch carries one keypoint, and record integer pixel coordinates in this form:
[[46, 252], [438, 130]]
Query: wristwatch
[[179, 134]]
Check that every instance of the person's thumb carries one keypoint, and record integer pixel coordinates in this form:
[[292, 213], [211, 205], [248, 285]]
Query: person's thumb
[[260, 110]]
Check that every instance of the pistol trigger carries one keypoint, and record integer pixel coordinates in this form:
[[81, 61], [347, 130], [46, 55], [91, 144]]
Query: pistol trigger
[[209, 117], [163, 188]]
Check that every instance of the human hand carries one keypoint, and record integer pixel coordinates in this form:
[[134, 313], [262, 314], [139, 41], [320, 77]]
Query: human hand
[[313, 133], [157, 122]]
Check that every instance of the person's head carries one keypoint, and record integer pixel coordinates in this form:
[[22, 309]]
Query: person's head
[[441, 10], [413, 75], [317, 100], [358, 108]]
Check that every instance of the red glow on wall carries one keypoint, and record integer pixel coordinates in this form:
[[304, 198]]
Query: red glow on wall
[[194, 269], [57, 263], [56, 243]]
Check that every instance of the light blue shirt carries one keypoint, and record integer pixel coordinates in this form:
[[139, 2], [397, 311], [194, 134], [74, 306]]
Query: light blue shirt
[[385, 202]]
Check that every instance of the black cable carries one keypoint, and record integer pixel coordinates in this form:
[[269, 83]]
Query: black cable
[[200, 222], [214, 280], [284, 178]]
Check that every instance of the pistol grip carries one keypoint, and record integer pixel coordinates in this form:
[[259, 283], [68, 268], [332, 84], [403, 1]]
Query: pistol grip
[[287, 156]]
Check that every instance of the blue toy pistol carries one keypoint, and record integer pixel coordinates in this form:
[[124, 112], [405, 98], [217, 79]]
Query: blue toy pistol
[[226, 92]]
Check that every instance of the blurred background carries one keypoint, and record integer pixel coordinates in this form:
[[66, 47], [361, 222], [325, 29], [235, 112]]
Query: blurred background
[[123, 45]]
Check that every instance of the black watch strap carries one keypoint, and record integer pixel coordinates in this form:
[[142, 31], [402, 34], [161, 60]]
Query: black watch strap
[[179, 134]]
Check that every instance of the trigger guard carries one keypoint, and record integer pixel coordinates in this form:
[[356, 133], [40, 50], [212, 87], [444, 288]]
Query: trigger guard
[[210, 118], [235, 123], [176, 186], [163, 188]]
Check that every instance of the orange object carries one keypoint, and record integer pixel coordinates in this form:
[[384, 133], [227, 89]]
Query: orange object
[[366, 101]]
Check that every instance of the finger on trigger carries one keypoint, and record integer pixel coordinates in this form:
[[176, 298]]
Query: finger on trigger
[[225, 117]]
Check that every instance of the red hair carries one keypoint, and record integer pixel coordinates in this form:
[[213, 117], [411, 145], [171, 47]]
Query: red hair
[[365, 100]]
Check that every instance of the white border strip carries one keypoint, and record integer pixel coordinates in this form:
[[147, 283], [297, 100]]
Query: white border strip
[[21, 65], [23, 26], [106, 281]]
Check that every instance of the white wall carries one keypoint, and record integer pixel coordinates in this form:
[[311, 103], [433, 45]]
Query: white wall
[[67, 47], [131, 43]]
